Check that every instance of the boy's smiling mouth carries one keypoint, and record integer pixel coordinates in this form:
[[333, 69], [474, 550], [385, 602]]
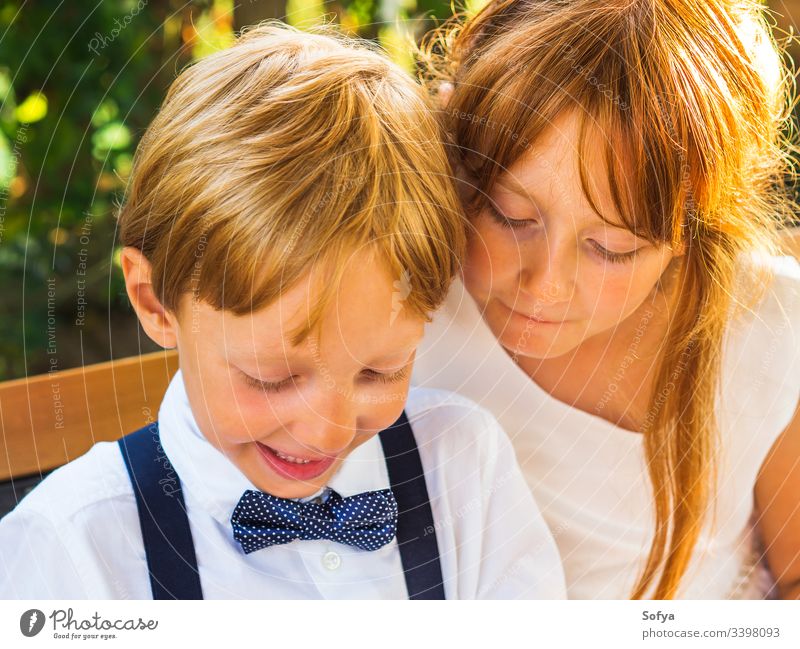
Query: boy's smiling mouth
[[290, 458], [291, 467]]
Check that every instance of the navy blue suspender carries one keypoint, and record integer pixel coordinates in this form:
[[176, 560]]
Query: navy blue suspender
[[162, 516], [416, 533], [171, 558]]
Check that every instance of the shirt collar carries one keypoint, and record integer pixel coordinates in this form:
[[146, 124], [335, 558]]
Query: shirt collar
[[217, 484]]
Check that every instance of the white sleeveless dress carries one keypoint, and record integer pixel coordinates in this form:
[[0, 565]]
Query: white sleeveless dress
[[589, 476]]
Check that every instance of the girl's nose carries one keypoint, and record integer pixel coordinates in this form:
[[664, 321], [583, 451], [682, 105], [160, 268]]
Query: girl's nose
[[549, 272]]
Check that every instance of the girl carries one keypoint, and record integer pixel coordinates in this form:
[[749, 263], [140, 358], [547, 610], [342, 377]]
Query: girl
[[624, 311]]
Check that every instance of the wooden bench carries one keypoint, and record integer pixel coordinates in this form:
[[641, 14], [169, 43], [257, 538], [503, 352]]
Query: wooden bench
[[50, 419]]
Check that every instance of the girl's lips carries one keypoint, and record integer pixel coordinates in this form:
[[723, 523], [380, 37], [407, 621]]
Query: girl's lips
[[293, 470], [535, 318], [519, 315]]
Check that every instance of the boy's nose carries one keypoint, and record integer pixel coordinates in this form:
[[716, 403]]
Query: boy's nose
[[331, 439], [332, 425]]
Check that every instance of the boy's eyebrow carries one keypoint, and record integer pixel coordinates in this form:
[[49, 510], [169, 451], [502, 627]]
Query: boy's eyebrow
[[271, 353], [279, 353], [411, 350]]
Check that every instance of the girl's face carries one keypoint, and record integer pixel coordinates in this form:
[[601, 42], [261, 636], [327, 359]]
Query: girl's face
[[546, 270]]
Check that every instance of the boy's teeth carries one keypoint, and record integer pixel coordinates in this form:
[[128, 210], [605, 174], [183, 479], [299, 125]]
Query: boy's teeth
[[289, 458]]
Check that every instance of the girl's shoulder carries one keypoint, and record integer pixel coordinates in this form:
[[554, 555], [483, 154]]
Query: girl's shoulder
[[76, 535], [783, 285], [772, 319], [761, 355]]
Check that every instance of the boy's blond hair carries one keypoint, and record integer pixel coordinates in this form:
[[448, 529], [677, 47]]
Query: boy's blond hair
[[290, 151]]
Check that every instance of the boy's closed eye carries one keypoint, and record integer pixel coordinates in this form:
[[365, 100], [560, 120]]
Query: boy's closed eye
[[370, 375]]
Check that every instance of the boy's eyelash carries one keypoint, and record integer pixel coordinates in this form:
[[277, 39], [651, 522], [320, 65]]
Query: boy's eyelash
[[268, 386], [395, 377]]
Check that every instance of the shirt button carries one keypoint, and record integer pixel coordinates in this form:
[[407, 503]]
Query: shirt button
[[331, 560]]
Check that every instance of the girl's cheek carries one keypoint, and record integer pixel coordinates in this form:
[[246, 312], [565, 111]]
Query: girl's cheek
[[621, 295], [491, 255], [477, 262]]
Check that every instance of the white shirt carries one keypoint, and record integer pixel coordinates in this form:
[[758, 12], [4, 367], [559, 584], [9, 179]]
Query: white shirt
[[589, 476], [77, 534]]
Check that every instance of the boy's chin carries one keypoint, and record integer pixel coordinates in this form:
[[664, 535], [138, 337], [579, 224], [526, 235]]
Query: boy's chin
[[293, 491]]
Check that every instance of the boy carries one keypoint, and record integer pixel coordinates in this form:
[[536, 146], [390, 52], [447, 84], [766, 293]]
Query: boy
[[289, 227]]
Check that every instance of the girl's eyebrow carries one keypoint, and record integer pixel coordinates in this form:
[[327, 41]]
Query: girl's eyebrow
[[512, 185], [515, 187]]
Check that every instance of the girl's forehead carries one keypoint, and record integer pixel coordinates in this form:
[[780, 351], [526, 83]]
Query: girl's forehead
[[549, 173]]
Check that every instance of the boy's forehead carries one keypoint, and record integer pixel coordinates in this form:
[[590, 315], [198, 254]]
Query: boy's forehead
[[395, 341], [365, 316]]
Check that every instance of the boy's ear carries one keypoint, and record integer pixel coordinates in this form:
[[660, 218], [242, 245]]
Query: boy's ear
[[158, 323]]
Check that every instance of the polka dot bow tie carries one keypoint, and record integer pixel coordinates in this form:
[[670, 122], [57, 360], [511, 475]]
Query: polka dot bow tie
[[367, 520]]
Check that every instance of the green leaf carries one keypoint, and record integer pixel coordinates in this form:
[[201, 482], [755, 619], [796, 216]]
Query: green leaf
[[123, 164], [33, 108], [396, 40], [105, 112], [8, 164], [213, 34], [112, 137], [5, 85], [305, 13]]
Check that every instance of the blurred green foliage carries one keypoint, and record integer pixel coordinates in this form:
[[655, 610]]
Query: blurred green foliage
[[79, 83]]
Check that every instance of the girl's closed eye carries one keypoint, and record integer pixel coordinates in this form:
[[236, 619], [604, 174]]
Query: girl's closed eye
[[527, 224], [507, 222], [612, 256]]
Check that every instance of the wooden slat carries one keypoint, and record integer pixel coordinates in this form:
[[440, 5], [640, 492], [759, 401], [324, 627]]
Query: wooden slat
[[50, 419]]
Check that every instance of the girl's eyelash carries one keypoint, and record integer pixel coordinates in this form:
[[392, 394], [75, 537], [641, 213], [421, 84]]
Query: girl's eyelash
[[518, 224], [514, 224], [614, 257]]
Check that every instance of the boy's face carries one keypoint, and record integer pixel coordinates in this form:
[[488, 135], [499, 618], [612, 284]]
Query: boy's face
[[288, 416]]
